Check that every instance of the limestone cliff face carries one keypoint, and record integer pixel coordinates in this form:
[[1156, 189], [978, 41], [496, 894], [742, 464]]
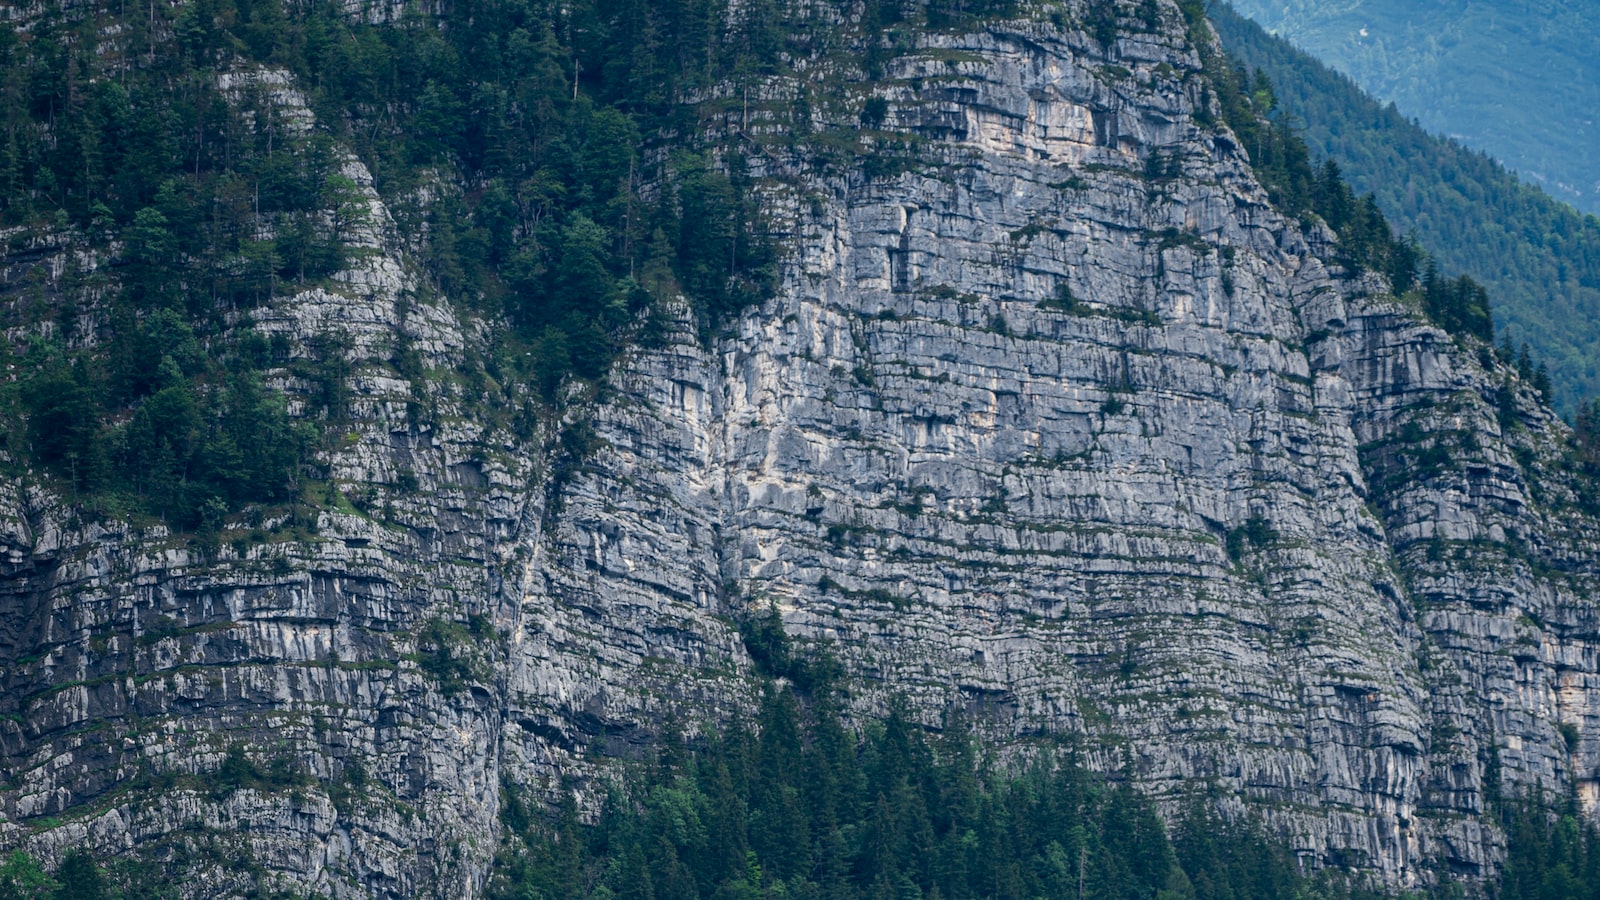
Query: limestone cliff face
[[135, 659], [1059, 422]]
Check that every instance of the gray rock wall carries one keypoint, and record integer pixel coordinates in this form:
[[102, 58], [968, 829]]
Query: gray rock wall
[[1191, 518], [1228, 516], [135, 659]]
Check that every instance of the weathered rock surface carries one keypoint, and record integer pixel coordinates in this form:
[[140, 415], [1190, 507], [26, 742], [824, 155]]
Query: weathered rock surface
[[135, 659], [1228, 513]]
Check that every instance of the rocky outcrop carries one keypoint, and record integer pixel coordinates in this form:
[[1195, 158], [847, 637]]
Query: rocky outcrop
[[1056, 420], [1096, 446], [137, 660]]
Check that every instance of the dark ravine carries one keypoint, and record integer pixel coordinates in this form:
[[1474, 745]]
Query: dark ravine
[[1238, 513]]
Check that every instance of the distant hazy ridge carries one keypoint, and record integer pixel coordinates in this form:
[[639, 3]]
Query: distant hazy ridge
[[1515, 79]]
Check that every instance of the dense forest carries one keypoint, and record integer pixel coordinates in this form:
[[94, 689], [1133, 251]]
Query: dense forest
[[1537, 257], [802, 806], [198, 203]]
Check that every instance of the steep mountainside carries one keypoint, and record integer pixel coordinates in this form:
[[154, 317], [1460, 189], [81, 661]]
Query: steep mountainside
[[1516, 80], [1051, 416], [1539, 257]]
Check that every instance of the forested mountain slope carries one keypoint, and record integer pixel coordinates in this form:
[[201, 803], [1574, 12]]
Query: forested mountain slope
[[1517, 80], [1538, 257], [416, 417]]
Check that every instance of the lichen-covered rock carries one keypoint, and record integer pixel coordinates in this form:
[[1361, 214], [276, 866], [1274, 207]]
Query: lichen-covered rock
[[1058, 422]]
